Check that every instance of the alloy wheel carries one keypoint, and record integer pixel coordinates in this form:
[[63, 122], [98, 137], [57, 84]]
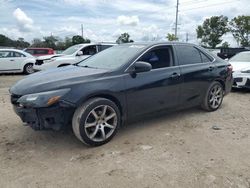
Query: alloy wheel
[[100, 123], [29, 69], [216, 96]]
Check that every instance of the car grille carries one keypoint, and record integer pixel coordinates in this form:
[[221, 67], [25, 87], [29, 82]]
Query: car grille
[[14, 98], [39, 62]]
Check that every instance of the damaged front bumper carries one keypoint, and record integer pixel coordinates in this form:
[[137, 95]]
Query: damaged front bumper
[[55, 117]]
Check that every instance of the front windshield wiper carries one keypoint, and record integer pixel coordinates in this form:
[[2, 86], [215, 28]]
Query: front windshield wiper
[[86, 66]]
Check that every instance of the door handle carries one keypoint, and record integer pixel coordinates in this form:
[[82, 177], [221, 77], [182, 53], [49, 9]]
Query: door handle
[[12, 60], [175, 75], [211, 68]]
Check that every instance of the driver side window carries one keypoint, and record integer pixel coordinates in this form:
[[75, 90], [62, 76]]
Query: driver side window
[[158, 58], [89, 50]]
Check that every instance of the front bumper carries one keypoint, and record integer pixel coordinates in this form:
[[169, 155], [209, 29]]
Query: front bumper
[[241, 80], [55, 117]]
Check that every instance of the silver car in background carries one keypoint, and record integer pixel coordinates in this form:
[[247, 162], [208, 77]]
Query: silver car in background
[[241, 68]]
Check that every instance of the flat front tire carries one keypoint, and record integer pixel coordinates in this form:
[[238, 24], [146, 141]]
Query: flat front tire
[[96, 121], [214, 97]]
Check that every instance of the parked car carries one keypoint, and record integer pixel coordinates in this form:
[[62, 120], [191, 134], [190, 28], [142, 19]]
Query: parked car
[[71, 55], [12, 60], [241, 66], [121, 83], [227, 53], [39, 51]]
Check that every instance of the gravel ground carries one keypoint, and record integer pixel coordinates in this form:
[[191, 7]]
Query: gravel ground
[[189, 148]]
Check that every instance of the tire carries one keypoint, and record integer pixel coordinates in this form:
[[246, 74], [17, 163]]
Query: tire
[[213, 98], [28, 69], [94, 127]]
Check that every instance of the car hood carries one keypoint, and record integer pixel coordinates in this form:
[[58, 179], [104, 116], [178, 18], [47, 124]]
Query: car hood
[[44, 57], [238, 66], [65, 58], [55, 79]]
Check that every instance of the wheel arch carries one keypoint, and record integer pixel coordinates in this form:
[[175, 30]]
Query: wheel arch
[[110, 97], [221, 82]]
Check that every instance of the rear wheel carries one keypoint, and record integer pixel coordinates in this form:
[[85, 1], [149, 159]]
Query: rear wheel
[[214, 97], [96, 121], [28, 68]]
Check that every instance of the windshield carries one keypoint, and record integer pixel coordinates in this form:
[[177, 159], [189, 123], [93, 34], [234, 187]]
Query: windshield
[[113, 57], [242, 57], [71, 49]]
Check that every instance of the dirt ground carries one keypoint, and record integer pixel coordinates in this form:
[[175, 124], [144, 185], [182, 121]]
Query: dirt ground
[[179, 149]]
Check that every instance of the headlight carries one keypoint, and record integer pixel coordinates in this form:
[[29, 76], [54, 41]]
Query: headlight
[[43, 99]]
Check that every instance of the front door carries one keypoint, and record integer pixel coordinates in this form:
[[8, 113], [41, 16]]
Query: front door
[[157, 89]]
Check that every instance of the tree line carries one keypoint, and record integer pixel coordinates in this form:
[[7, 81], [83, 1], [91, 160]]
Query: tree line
[[54, 42], [214, 28]]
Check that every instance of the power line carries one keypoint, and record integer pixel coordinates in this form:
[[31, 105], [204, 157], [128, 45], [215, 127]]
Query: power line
[[208, 5]]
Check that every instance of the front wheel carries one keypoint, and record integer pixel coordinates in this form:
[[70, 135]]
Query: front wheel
[[214, 97], [28, 69], [96, 121]]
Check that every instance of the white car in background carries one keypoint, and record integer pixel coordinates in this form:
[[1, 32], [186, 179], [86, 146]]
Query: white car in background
[[12, 60], [241, 70], [72, 55]]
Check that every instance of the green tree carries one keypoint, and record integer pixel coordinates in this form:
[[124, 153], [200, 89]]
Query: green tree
[[240, 28], [5, 41], [50, 41], [68, 42], [225, 45], [36, 42], [211, 31], [20, 43], [77, 39], [124, 38], [172, 37]]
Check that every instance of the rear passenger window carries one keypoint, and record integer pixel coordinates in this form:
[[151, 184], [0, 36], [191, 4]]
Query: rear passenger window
[[158, 58], [188, 55], [204, 58]]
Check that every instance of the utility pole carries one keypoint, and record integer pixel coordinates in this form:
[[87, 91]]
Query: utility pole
[[187, 37], [176, 18], [82, 29]]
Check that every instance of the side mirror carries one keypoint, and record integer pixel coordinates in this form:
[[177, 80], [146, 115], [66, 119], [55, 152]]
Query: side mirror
[[226, 59], [79, 53], [141, 66]]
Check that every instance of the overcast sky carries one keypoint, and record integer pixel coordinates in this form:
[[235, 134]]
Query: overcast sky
[[104, 20]]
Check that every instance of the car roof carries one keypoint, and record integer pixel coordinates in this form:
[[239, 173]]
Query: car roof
[[11, 49], [149, 44], [16, 50], [38, 48]]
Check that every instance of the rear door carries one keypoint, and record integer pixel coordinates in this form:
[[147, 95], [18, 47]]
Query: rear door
[[157, 89], [196, 73]]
